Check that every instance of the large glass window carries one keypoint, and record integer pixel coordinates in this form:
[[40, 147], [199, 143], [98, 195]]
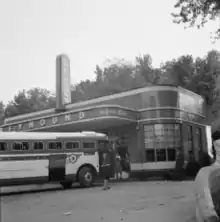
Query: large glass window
[[189, 138], [199, 137], [161, 142]]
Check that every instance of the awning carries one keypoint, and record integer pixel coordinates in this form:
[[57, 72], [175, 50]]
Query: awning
[[92, 118], [96, 124]]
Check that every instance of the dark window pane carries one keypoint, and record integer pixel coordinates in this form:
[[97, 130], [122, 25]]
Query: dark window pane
[[161, 155], [51, 146], [25, 146], [189, 137], [167, 98], [19, 146], [72, 145], [58, 145], [3, 146], [88, 145], [150, 155], [55, 145], [199, 137], [38, 145], [171, 154]]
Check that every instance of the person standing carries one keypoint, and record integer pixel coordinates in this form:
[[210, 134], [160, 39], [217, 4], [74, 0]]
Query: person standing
[[106, 167], [118, 168]]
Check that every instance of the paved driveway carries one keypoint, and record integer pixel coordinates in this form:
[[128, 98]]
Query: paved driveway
[[127, 201]]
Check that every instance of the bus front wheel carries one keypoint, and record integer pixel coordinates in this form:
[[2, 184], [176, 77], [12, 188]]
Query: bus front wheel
[[86, 177]]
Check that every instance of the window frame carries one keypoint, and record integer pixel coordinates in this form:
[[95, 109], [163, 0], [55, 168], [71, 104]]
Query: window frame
[[21, 142], [154, 152], [171, 130], [38, 142], [94, 142], [69, 141], [55, 141], [6, 146]]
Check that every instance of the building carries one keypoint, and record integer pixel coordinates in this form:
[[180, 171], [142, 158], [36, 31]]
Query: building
[[153, 124]]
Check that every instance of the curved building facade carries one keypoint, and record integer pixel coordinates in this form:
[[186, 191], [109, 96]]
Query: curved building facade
[[153, 125]]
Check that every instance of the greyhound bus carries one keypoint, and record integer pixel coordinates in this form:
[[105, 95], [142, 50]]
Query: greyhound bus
[[35, 157]]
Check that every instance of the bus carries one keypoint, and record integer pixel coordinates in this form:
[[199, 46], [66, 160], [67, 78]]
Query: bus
[[36, 158]]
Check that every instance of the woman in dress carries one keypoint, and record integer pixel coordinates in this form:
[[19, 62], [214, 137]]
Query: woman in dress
[[106, 167]]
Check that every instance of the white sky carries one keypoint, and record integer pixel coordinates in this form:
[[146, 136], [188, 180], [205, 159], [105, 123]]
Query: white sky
[[34, 32]]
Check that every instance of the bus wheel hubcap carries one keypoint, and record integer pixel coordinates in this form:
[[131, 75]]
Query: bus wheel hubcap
[[88, 176]]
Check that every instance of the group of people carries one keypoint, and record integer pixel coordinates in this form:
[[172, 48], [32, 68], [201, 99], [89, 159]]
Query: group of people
[[122, 164], [112, 164], [205, 159]]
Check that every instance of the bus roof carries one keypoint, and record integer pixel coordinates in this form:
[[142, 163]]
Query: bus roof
[[48, 136]]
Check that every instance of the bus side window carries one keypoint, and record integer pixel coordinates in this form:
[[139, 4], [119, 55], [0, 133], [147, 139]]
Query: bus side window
[[38, 145], [25, 145], [55, 145], [3, 146], [19, 146], [88, 145], [72, 145]]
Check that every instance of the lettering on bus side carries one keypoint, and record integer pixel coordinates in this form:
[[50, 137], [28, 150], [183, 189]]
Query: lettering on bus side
[[72, 158]]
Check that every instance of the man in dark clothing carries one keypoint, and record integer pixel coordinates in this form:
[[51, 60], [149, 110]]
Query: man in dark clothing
[[193, 166], [204, 159], [106, 165]]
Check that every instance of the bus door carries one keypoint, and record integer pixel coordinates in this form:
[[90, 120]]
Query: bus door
[[57, 167], [57, 162]]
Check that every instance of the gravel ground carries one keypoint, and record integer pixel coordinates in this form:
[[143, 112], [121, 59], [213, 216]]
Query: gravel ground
[[128, 201]]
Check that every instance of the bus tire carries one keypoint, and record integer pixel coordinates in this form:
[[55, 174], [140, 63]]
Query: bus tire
[[86, 177], [66, 185]]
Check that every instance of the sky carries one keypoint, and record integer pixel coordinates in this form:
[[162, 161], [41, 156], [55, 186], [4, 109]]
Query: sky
[[34, 32]]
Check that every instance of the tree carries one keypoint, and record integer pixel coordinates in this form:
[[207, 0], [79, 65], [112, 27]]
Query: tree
[[30, 101], [2, 115], [117, 76], [200, 76], [197, 12], [144, 68], [178, 72]]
